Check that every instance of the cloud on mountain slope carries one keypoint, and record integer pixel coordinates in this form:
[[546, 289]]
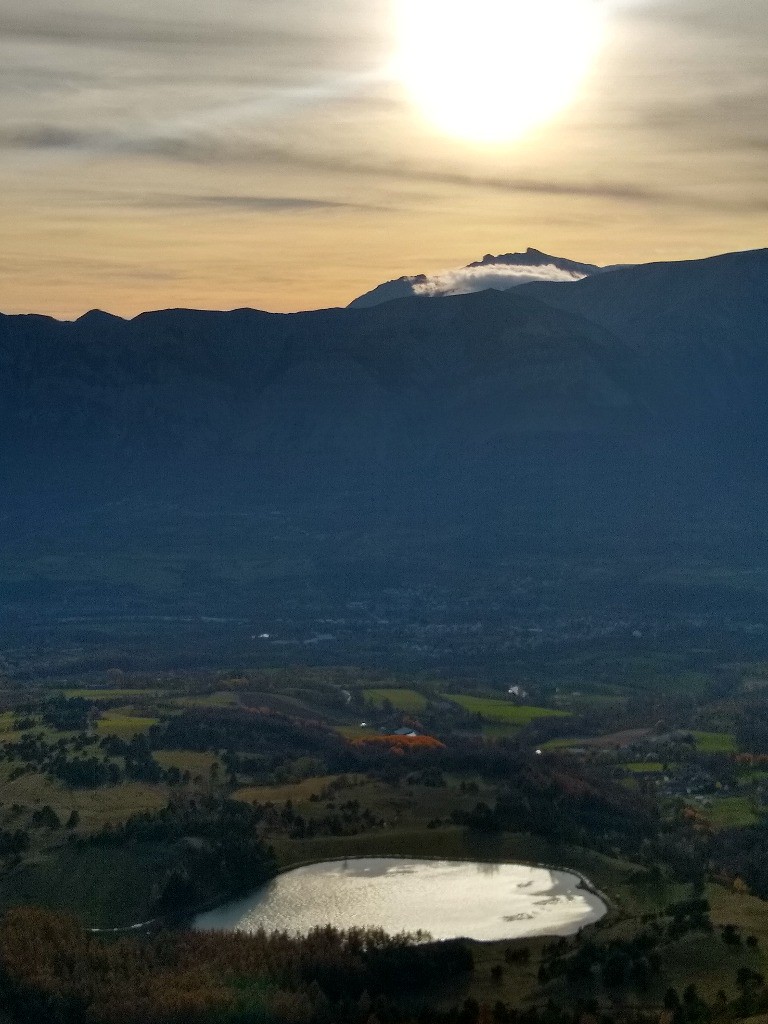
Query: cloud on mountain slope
[[463, 280]]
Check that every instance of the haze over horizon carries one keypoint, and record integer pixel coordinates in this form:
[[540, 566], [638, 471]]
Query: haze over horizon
[[273, 156]]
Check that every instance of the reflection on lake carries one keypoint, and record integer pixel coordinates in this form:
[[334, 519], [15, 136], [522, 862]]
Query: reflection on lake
[[448, 899]]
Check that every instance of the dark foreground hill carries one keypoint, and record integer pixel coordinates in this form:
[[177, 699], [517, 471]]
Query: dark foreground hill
[[217, 463]]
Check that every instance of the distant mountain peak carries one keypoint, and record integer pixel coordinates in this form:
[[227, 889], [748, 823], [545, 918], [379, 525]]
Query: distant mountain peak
[[536, 258], [503, 271], [98, 317]]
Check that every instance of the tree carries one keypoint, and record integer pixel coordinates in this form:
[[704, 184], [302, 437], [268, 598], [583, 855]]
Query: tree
[[671, 999]]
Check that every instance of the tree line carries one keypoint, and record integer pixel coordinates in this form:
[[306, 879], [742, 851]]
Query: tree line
[[52, 969]]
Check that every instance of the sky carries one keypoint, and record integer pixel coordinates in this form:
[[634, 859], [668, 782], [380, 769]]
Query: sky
[[267, 153]]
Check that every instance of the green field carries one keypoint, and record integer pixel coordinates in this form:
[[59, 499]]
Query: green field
[[586, 702], [502, 711], [7, 732], [123, 723], [192, 761], [124, 694], [404, 700], [641, 767], [294, 791], [221, 699], [730, 812], [715, 742], [354, 732], [563, 743], [95, 806]]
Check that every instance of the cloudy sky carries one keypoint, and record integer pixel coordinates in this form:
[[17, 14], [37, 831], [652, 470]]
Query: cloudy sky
[[221, 153]]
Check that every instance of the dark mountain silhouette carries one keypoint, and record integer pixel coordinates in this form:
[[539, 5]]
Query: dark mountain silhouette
[[625, 411]]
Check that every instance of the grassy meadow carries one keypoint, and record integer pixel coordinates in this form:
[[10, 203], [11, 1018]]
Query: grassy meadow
[[503, 712]]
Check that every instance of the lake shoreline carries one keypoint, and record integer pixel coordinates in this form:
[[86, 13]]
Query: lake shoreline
[[183, 918], [323, 901]]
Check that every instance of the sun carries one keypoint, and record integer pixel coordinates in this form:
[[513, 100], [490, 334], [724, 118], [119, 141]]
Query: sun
[[490, 70]]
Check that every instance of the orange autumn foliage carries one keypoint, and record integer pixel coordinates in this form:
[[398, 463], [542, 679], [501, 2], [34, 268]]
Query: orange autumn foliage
[[751, 760], [698, 821]]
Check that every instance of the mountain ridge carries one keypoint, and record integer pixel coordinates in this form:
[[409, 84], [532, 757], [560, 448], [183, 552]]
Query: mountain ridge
[[436, 285], [613, 412]]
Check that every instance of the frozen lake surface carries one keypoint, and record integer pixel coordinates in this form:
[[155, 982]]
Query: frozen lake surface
[[448, 899]]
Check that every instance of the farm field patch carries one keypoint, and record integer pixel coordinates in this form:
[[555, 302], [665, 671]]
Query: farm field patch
[[193, 761], [116, 694], [96, 807], [643, 767], [354, 732], [221, 699], [730, 812], [123, 723], [295, 791], [715, 742], [502, 711]]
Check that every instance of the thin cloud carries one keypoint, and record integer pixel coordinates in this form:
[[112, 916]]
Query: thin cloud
[[464, 280], [741, 21], [597, 189], [42, 136], [87, 28], [240, 146], [208, 147], [204, 146], [276, 204], [731, 117]]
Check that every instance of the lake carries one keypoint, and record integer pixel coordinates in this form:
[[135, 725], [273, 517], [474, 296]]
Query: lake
[[448, 899]]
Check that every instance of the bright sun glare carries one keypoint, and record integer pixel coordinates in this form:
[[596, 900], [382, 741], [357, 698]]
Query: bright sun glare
[[489, 70]]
